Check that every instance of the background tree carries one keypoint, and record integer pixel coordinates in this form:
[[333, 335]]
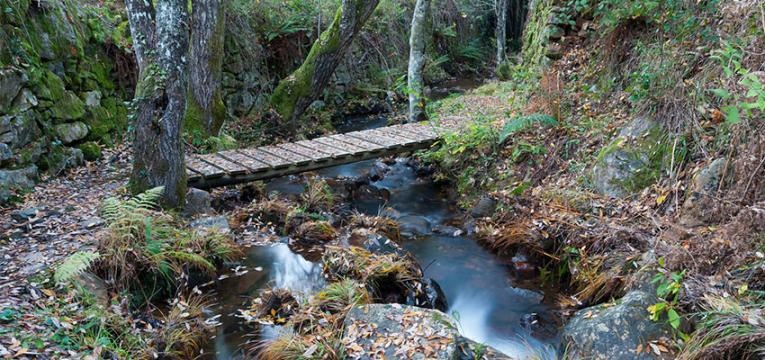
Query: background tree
[[295, 93], [205, 110], [417, 42], [161, 44], [500, 8]]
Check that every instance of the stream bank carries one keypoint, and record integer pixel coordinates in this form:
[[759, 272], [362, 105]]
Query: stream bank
[[493, 300]]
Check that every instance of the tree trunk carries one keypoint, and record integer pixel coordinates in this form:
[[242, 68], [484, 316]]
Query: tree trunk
[[417, 42], [205, 111], [500, 8], [160, 101], [296, 92], [141, 20]]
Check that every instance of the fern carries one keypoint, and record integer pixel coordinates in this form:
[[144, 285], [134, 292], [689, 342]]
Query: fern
[[114, 210], [523, 122], [191, 259], [75, 265]]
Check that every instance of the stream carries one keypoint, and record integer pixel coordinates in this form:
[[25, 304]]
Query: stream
[[481, 289]]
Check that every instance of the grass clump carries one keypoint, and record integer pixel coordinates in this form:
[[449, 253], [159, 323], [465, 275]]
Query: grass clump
[[380, 224], [727, 329], [387, 277], [145, 251], [317, 196], [312, 232]]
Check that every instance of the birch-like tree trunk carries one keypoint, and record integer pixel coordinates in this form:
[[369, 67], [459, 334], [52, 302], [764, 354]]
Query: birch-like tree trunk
[[500, 8], [142, 28], [295, 93], [418, 40], [160, 101], [205, 110]]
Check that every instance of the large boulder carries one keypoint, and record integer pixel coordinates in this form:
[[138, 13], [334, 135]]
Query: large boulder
[[399, 332], [614, 331], [197, 202], [20, 179], [11, 82], [484, 208], [697, 207], [71, 132], [18, 130], [5, 153], [68, 107], [411, 225], [634, 160], [393, 331]]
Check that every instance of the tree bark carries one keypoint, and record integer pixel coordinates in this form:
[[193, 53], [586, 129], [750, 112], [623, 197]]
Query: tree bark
[[205, 111], [141, 20], [500, 8], [417, 43], [160, 101], [296, 92]]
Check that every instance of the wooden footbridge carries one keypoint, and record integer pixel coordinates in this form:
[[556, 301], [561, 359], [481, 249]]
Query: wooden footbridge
[[245, 165]]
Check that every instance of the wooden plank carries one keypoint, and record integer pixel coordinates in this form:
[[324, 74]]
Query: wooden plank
[[272, 161], [403, 134], [295, 159], [410, 132], [313, 153], [252, 164], [387, 133], [229, 167], [326, 146], [336, 141], [423, 131], [197, 165], [359, 143], [375, 138]]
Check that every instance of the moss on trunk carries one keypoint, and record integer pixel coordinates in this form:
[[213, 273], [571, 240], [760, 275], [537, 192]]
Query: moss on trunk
[[295, 93]]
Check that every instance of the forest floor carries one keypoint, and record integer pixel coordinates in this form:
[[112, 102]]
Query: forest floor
[[58, 218]]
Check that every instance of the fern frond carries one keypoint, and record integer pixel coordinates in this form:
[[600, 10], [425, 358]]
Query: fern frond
[[75, 265], [523, 122], [150, 198], [191, 259]]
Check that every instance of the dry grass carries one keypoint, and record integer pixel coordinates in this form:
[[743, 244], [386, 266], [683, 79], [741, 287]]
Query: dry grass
[[727, 329], [387, 277], [183, 332], [318, 196], [380, 224], [315, 232]]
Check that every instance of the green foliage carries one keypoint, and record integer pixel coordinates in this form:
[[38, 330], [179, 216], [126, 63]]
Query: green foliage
[[145, 250], [668, 285], [74, 265], [727, 328], [467, 156], [522, 123], [739, 105]]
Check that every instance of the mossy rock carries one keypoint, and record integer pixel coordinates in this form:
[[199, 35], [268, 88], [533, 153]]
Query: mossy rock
[[90, 150], [51, 87], [69, 107], [635, 160], [106, 120]]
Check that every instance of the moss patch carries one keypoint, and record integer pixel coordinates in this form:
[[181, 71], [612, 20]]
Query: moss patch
[[90, 150]]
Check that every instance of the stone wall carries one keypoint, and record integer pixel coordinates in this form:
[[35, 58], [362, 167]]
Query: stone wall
[[59, 101]]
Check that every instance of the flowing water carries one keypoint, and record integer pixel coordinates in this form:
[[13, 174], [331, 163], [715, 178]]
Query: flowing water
[[480, 288]]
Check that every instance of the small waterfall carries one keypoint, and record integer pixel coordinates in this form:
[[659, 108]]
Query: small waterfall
[[473, 314]]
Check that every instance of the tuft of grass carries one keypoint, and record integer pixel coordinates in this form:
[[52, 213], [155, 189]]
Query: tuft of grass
[[382, 225], [727, 329], [317, 196], [341, 296], [315, 232]]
